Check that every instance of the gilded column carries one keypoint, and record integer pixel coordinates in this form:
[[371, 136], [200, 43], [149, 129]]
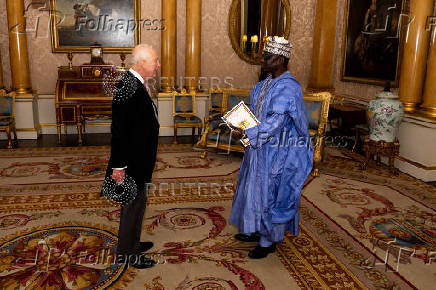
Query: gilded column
[[18, 47], [428, 106], [323, 45], [169, 44], [415, 54], [193, 43]]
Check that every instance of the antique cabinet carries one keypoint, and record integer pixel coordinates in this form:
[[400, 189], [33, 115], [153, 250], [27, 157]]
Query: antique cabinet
[[80, 95]]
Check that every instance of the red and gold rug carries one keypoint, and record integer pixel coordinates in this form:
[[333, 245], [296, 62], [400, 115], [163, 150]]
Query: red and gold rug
[[391, 217], [56, 232]]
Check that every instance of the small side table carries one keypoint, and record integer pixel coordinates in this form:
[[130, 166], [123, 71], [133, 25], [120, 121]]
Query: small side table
[[389, 149], [346, 116]]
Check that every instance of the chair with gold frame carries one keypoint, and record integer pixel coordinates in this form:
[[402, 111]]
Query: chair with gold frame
[[216, 100], [216, 133], [317, 110], [7, 115], [184, 113]]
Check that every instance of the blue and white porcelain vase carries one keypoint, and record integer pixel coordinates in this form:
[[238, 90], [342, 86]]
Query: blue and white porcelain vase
[[384, 116]]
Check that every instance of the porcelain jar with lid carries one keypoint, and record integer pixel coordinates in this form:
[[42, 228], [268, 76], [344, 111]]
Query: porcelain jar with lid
[[384, 116]]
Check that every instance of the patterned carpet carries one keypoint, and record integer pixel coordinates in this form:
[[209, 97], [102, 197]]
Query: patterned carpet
[[56, 233]]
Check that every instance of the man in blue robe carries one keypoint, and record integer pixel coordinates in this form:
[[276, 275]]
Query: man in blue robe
[[278, 159]]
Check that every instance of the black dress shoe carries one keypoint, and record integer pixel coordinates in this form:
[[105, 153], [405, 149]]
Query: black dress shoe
[[143, 263], [261, 252], [145, 246], [247, 238]]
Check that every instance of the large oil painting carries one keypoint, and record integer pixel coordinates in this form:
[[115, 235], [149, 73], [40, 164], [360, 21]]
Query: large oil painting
[[372, 40], [78, 24]]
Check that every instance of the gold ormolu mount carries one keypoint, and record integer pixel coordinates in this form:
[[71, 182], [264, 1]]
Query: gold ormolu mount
[[70, 58], [123, 58]]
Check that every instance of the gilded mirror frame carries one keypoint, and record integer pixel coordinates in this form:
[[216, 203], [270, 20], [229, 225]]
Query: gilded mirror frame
[[234, 23]]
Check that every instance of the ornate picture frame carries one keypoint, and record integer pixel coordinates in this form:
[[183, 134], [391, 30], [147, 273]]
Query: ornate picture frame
[[76, 25], [372, 41]]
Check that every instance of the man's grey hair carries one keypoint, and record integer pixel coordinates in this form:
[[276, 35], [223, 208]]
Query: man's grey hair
[[141, 52]]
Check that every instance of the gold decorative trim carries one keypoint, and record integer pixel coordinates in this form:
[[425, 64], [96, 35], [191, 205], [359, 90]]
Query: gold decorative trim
[[23, 91], [410, 107], [184, 93], [24, 98], [166, 127], [416, 164], [26, 130], [428, 112], [310, 265], [87, 124], [86, 49], [234, 23], [310, 90], [324, 98], [164, 95], [215, 91], [47, 125]]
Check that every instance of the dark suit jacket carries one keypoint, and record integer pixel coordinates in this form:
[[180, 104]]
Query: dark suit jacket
[[135, 131]]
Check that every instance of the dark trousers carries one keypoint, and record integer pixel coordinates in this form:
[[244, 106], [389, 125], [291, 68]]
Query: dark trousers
[[129, 231]]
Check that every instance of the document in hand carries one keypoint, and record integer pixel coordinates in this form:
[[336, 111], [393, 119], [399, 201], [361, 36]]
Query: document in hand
[[240, 116]]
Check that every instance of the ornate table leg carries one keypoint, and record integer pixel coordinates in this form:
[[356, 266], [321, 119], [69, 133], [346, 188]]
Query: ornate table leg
[[367, 151], [58, 123], [58, 126], [79, 124]]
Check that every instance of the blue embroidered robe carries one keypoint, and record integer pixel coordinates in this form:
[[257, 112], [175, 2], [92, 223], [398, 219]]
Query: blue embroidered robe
[[277, 163]]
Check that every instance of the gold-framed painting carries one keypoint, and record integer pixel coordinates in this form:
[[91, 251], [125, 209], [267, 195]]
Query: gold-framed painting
[[372, 41], [76, 25]]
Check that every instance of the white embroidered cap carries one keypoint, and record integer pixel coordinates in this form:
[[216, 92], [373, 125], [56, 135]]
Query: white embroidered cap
[[278, 45]]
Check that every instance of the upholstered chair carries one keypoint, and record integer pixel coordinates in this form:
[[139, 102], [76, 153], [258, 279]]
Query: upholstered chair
[[7, 115], [216, 100], [216, 133], [184, 113], [317, 109]]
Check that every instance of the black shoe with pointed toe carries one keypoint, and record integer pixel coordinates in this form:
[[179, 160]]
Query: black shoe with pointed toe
[[261, 252], [145, 246], [253, 238]]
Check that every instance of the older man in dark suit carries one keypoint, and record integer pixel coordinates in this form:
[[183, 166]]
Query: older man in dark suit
[[135, 130]]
